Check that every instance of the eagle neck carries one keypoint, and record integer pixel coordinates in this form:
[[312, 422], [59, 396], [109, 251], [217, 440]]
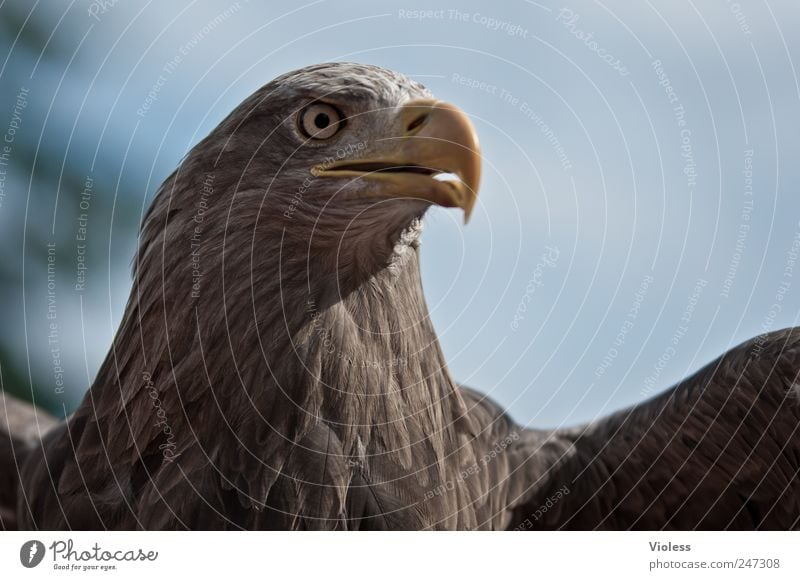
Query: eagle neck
[[370, 364]]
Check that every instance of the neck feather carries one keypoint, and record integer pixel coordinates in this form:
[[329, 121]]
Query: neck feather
[[253, 363]]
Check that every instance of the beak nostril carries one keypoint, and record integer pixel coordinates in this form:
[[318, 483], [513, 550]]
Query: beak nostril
[[417, 122]]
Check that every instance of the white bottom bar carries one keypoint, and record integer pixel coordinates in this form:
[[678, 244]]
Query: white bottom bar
[[401, 554]]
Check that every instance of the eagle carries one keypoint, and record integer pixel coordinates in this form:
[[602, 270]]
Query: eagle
[[276, 366]]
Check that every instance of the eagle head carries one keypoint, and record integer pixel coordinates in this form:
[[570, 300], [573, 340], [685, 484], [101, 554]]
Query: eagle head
[[335, 162]]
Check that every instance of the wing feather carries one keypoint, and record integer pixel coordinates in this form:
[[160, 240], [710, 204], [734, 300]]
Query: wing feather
[[721, 450]]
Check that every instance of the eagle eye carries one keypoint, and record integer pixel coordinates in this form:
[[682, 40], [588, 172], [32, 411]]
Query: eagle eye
[[320, 121]]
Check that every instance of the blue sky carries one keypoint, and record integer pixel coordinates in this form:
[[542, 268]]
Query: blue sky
[[639, 211]]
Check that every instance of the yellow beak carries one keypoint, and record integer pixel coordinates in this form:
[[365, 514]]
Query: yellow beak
[[435, 157]]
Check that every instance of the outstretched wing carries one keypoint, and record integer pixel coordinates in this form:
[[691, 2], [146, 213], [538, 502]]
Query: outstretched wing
[[721, 450]]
